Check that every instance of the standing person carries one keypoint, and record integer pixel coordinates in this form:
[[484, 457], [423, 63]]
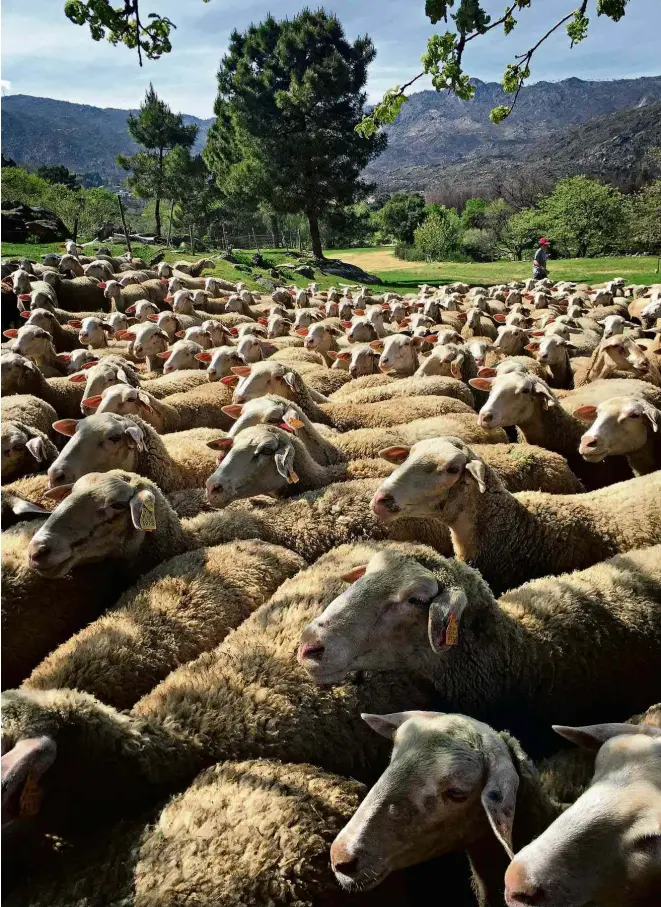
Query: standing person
[[541, 257]]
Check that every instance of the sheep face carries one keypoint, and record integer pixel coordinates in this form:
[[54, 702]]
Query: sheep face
[[478, 349], [102, 375], [20, 281], [168, 323], [181, 356], [621, 425], [249, 349], [259, 460], [148, 340], [320, 338], [451, 780], [220, 361], [98, 443], [398, 354], [182, 304], [361, 330], [77, 360], [218, 334], [650, 314], [34, 343], [445, 360], [44, 319], [379, 622], [604, 847], [17, 373], [265, 410], [430, 479], [198, 335], [21, 450], [305, 317], [123, 401], [264, 378], [625, 354], [100, 516], [363, 360], [117, 321], [94, 333], [511, 340], [513, 399], [142, 310], [277, 326], [551, 351]]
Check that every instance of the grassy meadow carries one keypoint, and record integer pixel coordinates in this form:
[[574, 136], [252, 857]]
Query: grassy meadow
[[394, 274]]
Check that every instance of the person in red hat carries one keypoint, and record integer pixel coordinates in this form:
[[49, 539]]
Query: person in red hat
[[541, 257]]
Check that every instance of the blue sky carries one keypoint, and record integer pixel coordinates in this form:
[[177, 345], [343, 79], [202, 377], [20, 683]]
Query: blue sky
[[43, 54]]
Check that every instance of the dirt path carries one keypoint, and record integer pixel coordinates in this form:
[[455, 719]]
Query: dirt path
[[382, 260]]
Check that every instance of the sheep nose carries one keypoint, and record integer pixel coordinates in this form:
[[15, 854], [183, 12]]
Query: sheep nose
[[520, 889], [311, 650], [353, 371], [56, 476], [383, 504], [589, 441], [341, 860], [484, 418], [38, 551], [239, 398]]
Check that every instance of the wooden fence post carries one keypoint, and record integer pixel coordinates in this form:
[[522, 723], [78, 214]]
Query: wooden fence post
[[170, 224]]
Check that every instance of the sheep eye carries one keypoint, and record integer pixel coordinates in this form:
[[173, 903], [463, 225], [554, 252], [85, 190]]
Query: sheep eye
[[455, 795], [453, 470], [114, 439], [525, 390], [423, 603], [634, 415], [117, 506]]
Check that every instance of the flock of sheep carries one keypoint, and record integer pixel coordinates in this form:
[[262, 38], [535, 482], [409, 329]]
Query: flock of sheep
[[245, 539]]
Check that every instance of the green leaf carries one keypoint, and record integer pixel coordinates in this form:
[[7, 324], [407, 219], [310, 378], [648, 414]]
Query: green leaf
[[577, 28], [498, 114]]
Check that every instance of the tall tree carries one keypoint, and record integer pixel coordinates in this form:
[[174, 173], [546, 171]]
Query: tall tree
[[584, 217], [290, 95], [158, 130], [59, 174], [402, 214]]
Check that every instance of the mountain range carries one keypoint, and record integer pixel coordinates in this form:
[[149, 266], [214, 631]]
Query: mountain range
[[601, 128]]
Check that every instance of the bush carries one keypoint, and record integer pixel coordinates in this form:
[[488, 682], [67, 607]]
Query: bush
[[407, 252], [479, 245], [438, 238]]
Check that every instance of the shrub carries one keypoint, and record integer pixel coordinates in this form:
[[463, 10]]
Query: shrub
[[479, 245], [437, 239]]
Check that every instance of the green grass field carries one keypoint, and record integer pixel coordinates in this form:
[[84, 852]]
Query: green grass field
[[401, 276]]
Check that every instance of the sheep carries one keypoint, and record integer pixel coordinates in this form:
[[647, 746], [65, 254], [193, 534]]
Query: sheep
[[520, 467], [218, 333], [433, 385], [106, 373], [172, 324], [174, 413], [292, 809], [270, 377], [277, 326], [264, 459], [322, 339], [399, 353], [123, 297], [181, 355], [80, 294], [37, 344], [30, 410], [25, 449], [147, 341], [65, 339], [603, 389], [104, 442], [478, 324], [175, 384], [623, 426], [528, 403], [546, 533], [360, 330], [359, 360], [650, 314], [16, 509], [450, 360], [491, 802], [478, 348], [216, 286], [94, 332], [221, 361], [553, 352], [363, 443], [178, 610], [194, 268], [21, 376], [622, 356], [221, 706], [602, 849], [522, 662], [142, 309], [40, 295]]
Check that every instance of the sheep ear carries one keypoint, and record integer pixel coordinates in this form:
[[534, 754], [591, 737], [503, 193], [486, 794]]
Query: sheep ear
[[395, 454], [486, 372], [542, 391], [143, 505], [499, 793], [59, 493], [28, 759], [78, 378], [63, 357], [230, 380], [284, 461], [377, 345], [234, 410], [241, 370], [481, 384], [76, 323], [136, 434], [586, 412], [37, 448], [445, 612], [10, 332], [220, 443], [66, 426], [291, 381], [593, 736], [291, 420], [388, 725], [165, 355], [479, 472], [203, 357], [180, 334], [500, 318], [19, 506], [354, 574], [92, 402]]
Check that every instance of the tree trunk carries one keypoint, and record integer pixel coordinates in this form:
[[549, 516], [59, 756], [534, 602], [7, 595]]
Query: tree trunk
[[157, 200], [315, 236], [157, 215]]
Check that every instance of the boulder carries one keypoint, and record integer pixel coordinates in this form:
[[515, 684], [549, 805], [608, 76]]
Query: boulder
[[352, 273], [20, 222]]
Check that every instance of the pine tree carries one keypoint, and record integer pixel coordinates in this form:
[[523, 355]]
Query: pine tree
[[158, 130], [290, 95]]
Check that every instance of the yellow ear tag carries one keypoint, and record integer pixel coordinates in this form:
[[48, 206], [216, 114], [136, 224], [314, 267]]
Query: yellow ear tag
[[147, 518], [452, 632], [31, 797], [292, 477]]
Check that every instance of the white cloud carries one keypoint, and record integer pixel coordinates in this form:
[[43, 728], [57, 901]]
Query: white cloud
[[5, 86]]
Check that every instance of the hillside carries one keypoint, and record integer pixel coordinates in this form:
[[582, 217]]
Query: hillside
[[43, 131], [601, 128]]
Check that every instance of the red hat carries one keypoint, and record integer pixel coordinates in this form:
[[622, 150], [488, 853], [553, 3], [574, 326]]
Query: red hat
[[544, 241]]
